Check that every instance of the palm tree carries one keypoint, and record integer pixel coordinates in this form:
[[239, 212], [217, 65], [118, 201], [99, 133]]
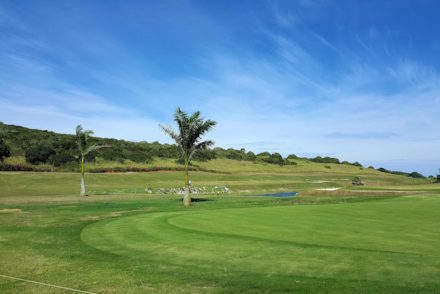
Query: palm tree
[[82, 137], [191, 130]]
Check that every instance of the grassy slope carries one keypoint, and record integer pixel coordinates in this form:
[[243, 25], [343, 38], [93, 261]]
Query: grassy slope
[[123, 240]]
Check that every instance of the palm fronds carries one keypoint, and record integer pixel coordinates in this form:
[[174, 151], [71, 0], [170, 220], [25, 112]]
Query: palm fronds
[[191, 130]]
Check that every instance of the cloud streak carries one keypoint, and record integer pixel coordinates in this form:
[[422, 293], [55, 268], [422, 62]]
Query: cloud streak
[[308, 91]]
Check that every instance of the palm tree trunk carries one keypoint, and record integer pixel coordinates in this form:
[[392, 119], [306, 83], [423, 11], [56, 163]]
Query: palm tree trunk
[[83, 186], [186, 196]]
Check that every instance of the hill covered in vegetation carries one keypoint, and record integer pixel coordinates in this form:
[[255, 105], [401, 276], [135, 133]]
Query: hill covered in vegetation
[[42, 150]]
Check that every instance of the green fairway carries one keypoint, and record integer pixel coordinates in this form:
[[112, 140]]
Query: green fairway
[[381, 237], [394, 240]]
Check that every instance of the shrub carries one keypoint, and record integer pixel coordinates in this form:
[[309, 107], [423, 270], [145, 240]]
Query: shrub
[[326, 159], [62, 158], [4, 150], [416, 175], [235, 154], [204, 155], [250, 156], [277, 159], [140, 157], [39, 154], [357, 181]]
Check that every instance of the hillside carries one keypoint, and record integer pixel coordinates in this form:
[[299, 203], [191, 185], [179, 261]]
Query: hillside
[[42, 150]]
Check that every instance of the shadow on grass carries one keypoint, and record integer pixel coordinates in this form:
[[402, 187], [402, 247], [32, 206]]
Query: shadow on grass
[[198, 199]]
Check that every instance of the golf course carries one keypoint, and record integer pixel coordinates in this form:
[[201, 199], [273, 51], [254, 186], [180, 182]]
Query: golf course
[[332, 236], [190, 146]]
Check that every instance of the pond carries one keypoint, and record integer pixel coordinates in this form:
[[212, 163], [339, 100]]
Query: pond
[[278, 194]]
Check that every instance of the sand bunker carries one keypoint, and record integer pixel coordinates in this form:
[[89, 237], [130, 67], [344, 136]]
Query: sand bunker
[[328, 189]]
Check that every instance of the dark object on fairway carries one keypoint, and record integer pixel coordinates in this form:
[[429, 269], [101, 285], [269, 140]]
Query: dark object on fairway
[[357, 182], [198, 199], [279, 194]]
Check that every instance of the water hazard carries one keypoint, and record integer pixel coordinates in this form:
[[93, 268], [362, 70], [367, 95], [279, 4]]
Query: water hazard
[[278, 194]]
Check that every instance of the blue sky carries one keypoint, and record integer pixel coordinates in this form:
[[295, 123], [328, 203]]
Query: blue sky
[[359, 80]]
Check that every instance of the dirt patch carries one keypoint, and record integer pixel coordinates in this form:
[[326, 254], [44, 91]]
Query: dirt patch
[[10, 210], [116, 213], [142, 209], [90, 218], [384, 191], [119, 213]]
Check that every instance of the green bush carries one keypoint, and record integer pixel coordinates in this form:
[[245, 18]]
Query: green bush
[[357, 181], [205, 155], [251, 156], [5, 151], [416, 175], [39, 154], [62, 158], [326, 159]]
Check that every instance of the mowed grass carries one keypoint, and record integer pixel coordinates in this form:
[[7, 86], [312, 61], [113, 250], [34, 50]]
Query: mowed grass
[[367, 242], [381, 237]]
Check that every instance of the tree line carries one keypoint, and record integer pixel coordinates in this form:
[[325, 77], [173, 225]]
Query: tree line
[[61, 150]]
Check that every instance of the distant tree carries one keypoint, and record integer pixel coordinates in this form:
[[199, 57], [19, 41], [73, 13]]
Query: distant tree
[[234, 154], [204, 155], [82, 141], [5, 151], [61, 158], [438, 176], [326, 159], [191, 130], [250, 156], [276, 158], [416, 175], [39, 154]]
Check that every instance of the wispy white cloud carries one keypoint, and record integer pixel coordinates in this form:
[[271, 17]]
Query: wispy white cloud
[[289, 100]]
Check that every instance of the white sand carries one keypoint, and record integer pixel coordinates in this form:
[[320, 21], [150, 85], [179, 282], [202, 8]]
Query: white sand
[[328, 189]]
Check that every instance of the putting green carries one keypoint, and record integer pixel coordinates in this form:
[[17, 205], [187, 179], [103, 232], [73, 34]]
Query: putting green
[[396, 239]]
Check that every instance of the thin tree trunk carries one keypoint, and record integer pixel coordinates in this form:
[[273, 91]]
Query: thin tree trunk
[[83, 186], [186, 197]]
